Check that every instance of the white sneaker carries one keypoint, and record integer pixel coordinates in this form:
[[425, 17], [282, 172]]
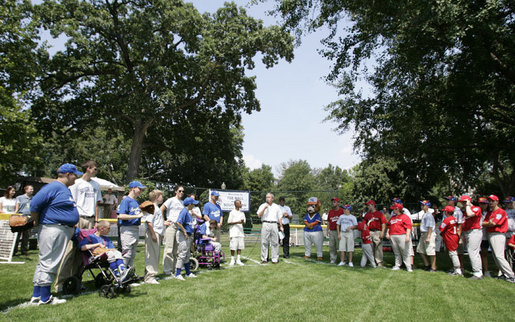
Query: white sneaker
[[231, 263], [351, 264], [179, 277], [396, 268], [333, 262], [52, 301], [154, 282], [240, 263], [170, 277], [191, 275], [341, 264], [34, 300], [410, 270], [487, 274]]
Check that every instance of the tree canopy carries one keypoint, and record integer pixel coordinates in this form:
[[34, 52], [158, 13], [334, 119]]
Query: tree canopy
[[441, 79]]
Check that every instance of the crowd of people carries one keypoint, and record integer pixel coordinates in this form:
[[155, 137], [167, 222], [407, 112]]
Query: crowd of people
[[69, 205]]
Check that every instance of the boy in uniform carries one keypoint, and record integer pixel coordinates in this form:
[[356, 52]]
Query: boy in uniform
[[344, 226], [366, 245], [236, 235], [451, 237]]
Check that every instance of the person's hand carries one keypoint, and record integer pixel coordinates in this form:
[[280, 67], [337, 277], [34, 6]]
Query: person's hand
[[339, 236], [387, 236], [167, 223], [381, 235], [348, 229], [407, 239], [282, 229], [154, 238], [219, 225], [427, 240]]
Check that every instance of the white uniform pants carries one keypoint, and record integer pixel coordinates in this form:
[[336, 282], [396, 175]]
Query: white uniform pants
[[473, 242], [183, 249], [367, 255], [152, 252], [52, 241], [269, 236], [129, 237], [498, 244], [401, 250], [315, 237]]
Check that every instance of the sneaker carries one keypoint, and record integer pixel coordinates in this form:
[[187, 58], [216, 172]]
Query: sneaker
[[52, 301], [341, 264], [34, 300], [231, 263], [409, 270], [396, 268], [179, 277], [239, 263], [351, 264], [510, 279], [455, 273], [333, 262], [170, 277], [487, 274], [432, 270], [191, 275], [475, 278], [263, 262], [153, 282], [167, 273]]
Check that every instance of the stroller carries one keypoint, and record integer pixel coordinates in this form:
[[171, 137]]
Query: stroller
[[204, 252], [106, 281]]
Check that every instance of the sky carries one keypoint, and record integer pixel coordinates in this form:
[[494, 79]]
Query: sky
[[290, 125]]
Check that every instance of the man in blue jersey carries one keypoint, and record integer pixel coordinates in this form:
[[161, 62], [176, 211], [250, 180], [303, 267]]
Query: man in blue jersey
[[212, 211], [54, 209], [129, 217]]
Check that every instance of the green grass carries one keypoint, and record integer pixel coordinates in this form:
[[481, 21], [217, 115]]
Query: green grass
[[298, 290]]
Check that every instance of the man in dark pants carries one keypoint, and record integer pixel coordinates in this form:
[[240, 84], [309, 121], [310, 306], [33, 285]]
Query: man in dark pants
[[287, 216]]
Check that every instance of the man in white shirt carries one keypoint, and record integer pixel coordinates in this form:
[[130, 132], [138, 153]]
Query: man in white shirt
[[236, 234], [171, 209], [270, 214], [285, 219], [87, 196], [427, 241]]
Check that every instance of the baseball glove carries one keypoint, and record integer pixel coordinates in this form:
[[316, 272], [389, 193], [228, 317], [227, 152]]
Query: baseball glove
[[19, 223], [147, 206]]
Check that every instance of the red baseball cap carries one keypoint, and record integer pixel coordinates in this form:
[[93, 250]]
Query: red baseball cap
[[493, 197], [335, 199], [448, 209], [397, 206], [370, 202], [464, 198], [482, 200]]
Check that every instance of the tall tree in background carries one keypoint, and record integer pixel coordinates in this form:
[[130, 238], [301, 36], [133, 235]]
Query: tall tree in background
[[442, 83], [166, 77], [261, 179], [297, 180], [19, 54]]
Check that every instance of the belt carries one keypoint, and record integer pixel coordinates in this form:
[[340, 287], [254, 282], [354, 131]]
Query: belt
[[66, 225], [270, 222], [375, 229], [82, 216]]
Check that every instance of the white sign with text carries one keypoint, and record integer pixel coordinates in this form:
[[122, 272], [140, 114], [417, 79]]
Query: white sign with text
[[227, 198]]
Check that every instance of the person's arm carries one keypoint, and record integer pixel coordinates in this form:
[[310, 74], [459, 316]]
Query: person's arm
[[129, 217], [262, 212], [338, 231], [35, 215], [150, 227], [90, 246], [16, 207], [387, 233], [408, 235], [181, 227], [429, 232], [221, 222], [1, 207], [383, 228]]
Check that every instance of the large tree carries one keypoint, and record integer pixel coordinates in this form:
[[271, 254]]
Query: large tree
[[167, 77], [441, 78]]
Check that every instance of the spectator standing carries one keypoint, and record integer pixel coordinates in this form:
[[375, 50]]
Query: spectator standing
[[286, 218], [8, 202], [427, 240], [87, 196], [110, 200], [509, 202], [171, 210], [23, 207], [54, 210], [377, 225], [236, 234], [331, 229], [458, 215], [153, 236], [270, 214]]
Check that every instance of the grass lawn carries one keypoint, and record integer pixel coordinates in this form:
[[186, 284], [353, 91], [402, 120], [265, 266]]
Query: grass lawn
[[293, 290]]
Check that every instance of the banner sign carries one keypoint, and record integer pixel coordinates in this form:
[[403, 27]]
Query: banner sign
[[227, 198]]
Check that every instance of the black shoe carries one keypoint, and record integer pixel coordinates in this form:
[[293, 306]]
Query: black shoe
[[264, 262], [427, 268], [286, 256]]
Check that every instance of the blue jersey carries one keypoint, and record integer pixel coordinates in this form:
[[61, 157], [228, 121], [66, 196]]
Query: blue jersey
[[203, 229], [310, 220], [186, 220], [94, 239], [55, 205], [129, 206], [213, 211]]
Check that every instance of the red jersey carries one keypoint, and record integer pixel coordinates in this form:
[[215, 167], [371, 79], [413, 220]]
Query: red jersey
[[399, 224], [365, 233], [512, 240], [377, 218], [333, 216], [500, 218], [472, 222], [449, 232]]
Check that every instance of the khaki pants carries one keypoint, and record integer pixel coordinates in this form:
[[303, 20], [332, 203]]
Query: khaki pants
[[333, 245], [401, 250], [152, 252], [377, 246], [170, 252], [269, 236]]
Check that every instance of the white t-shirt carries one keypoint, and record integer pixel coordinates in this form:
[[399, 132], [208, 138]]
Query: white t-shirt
[[458, 214], [420, 214], [173, 206], [427, 221], [86, 195], [511, 219], [110, 199], [346, 221], [237, 229], [285, 220], [197, 212], [156, 220], [272, 213], [8, 205]]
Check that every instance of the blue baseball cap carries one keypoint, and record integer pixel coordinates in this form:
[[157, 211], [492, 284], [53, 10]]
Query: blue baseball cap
[[397, 200], [348, 207], [214, 193], [189, 201], [509, 199], [425, 203], [69, 168], [136, 184], [451, 198]]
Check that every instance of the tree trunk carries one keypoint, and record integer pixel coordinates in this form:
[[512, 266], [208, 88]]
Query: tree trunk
[[140, 130]]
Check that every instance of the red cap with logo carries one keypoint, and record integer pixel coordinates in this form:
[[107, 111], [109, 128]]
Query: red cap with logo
[[397, 206], [370, 202], [493, 197], [448, 209]]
